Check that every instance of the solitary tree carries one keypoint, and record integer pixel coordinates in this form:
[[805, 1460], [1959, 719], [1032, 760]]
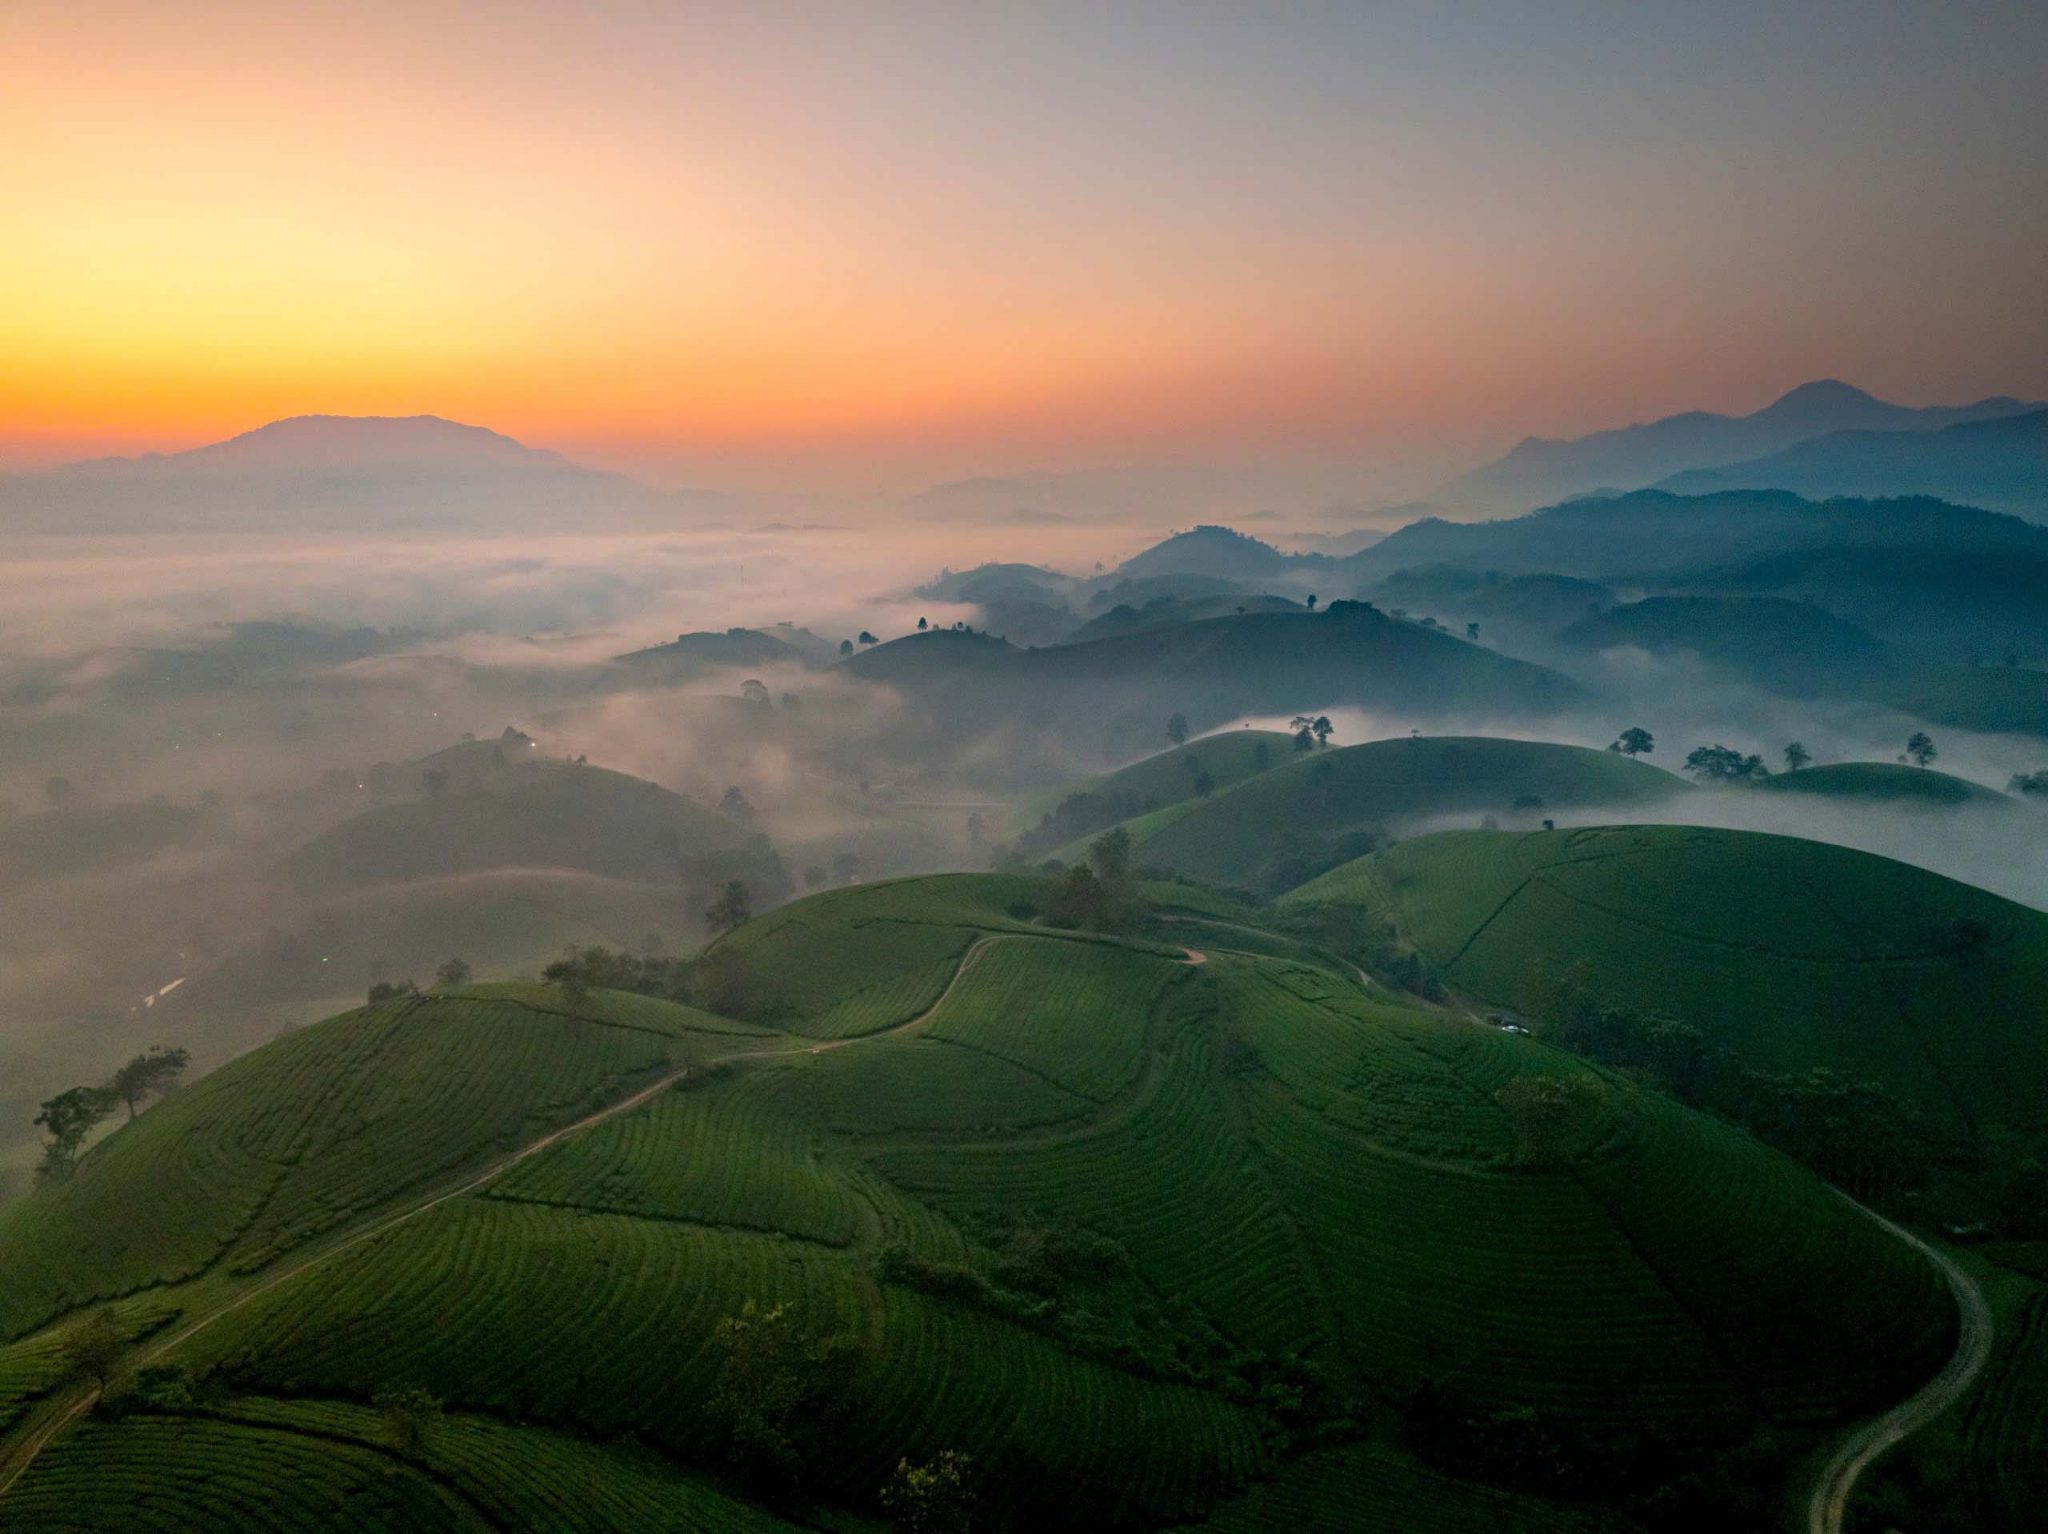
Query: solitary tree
[[1920, 749], [92, 1349], [409, 1415], [922, 625], [1110, 856], [1472, 632], [69, 1117], [1177, 728], [1722, 764], [866, 637], [452, 973], [932, 1498], [731, 909], [754, 690], [1323, 729], [1796, 756], [1635, 741], [1311, 601], [150, 1074], [846, 647], [734, 806]]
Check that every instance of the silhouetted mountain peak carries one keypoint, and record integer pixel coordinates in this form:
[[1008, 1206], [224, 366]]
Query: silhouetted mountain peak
[[346, 443]]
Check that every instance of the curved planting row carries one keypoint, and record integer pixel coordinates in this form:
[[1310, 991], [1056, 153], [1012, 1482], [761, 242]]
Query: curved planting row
[[172, 1475], [723, 1152], [1169, 1180]]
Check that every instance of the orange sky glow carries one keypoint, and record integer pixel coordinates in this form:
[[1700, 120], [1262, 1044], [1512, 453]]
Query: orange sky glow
[[665, 236]]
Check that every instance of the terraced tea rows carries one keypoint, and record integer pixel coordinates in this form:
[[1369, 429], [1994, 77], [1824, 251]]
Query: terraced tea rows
[[1794, 953], [256, 1159], [1072, 1013], [176, 1474], [1091, 1222], [733, 1157], [1364, 1491]]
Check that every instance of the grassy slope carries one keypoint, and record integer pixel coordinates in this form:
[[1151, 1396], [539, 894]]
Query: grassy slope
[[1388, 784], [310, 1131], [1113, 693], [551, 816], [1883, 780], [1795, 953], [1229, 758], [1277, 1164]]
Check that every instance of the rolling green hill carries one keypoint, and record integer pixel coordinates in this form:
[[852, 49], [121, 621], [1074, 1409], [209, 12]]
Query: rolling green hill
[[1883, 780], [1154, 783], [1788, 647], [1279, 827], [530, 815], [1149, 1239], [1797, 954], [1111, 696]]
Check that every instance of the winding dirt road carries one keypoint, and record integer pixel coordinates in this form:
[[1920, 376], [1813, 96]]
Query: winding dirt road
[[60, 1412], [1856, 1452]]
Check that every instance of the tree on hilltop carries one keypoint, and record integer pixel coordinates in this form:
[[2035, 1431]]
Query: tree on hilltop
[[1796, 756], [1635, 741], [731, 909], [147, 1075], [452, 973], [1177, 728], [69, 1117], [1723, 764], [1920, 749]]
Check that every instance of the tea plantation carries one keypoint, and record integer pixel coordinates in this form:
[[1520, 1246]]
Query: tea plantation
[[1153, 1242]]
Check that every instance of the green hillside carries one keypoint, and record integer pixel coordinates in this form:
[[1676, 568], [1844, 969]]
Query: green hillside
[[526, 815], [1284, 825], [1111, 696], [1789, 647], [1883, 780], [1157, 782], [1149, 1239], [1796, 954]]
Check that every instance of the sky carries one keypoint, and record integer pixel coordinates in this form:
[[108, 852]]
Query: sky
[[720, 244]]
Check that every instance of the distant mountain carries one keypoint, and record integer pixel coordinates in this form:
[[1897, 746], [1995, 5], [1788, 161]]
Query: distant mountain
[[1958, 604], [1220, 552], [1540, 470], [2001, 463], [377, 471], [1652, 533], [1162, 612], [690, 654], [1793, 648], [1111, 696]]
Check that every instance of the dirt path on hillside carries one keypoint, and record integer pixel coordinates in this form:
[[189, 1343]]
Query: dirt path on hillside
[[1856, 1453], [62, 1411]]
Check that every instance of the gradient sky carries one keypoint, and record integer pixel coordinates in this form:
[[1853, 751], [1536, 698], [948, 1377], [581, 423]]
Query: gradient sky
[[699, 239]]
